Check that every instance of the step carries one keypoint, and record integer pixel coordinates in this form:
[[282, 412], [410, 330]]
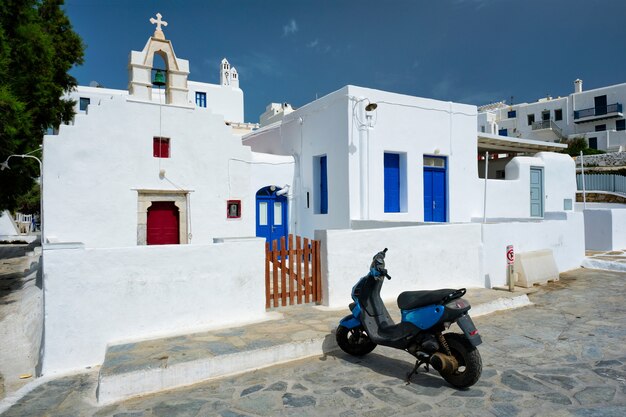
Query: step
[[148, 366]]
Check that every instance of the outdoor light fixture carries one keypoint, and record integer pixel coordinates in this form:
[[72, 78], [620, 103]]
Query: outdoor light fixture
[[5, 165], [371, 107]]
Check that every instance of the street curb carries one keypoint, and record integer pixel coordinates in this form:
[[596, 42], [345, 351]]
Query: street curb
[[591, 263], [501, 304], [114, 388]]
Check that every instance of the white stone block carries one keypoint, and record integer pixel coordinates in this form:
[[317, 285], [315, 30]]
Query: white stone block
[[536, 267]]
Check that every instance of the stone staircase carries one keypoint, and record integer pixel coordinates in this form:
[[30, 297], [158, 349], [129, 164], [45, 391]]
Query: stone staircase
[[141, 367]]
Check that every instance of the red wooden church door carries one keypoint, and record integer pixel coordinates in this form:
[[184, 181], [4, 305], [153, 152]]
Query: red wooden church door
[[163, 224]]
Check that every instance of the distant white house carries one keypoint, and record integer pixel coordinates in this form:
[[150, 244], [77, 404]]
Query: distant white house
[[596, 115]]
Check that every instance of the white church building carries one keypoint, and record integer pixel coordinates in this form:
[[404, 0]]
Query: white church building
[[157, 209]]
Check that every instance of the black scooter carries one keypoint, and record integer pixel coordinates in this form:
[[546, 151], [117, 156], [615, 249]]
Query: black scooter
[[425, 316]]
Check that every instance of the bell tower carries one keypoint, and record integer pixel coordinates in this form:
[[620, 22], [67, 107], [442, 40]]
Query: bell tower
[[140, 67], [234, 78], [225, 72]]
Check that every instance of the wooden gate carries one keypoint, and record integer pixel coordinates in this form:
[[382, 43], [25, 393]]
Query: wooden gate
[[292, 272]]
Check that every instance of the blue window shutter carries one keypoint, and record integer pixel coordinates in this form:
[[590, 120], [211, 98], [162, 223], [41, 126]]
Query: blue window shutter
[[503, 132], [323, 186], [392, 182]]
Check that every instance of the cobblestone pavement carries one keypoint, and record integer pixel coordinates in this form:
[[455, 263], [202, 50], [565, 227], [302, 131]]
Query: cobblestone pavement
[[564, 356]]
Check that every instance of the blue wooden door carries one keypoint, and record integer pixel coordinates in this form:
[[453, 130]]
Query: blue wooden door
[[536, 192], [435, 195], [271, 214], [392, 182]]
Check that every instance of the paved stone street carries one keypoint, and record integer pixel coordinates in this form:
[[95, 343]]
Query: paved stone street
[[564, 356]]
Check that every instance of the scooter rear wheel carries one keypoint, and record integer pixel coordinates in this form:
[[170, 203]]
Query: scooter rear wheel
[[354, 341], [468, 358]]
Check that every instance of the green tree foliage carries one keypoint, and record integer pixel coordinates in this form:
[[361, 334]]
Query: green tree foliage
[[37, 49], [575, 145]]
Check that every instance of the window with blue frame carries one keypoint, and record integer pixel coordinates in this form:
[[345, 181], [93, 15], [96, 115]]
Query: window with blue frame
[[503, 132], [392, 182], [320, 177], [511, 114], [84, 103], [200, 99], [620, 124]]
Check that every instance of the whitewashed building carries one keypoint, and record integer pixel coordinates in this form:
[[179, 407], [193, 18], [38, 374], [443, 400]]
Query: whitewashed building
[[376, 169], [596, 115], [149, 219], [157, 211]]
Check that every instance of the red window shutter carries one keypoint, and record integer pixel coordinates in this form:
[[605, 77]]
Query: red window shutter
[[161, 147]]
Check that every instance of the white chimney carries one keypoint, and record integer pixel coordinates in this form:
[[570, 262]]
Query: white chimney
[[578, 86]]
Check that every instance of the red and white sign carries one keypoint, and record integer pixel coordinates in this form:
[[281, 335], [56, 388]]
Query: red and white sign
[[510, 255]]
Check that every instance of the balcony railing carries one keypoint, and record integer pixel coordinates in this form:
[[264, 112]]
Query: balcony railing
[[548, 124], [598, 111]]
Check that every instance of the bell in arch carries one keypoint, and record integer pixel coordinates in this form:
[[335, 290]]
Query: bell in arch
[[159, 78]]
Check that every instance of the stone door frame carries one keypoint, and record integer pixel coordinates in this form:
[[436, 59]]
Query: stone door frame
[[145, 198]]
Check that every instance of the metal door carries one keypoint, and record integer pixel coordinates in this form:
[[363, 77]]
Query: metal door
[[536, 192], [435, 195]]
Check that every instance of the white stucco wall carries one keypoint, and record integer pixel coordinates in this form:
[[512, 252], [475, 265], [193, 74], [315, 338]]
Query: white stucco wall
[[416, 127], [419, 258], [319, 128], [510, 198], [605, 229], [220, 99], [94, 169], [563, 233], [94, 297], [411, 126]]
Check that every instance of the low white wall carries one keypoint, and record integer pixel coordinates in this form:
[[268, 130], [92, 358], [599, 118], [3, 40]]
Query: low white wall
[[605, 229], [564, 235], [444, 255], [94, 297], [419, 258]]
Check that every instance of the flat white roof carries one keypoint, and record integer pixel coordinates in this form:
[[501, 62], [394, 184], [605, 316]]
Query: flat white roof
[[491, 142]]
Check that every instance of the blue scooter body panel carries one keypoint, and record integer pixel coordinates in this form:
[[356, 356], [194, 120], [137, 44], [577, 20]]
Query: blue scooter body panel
[[352, 320], [424, 317]]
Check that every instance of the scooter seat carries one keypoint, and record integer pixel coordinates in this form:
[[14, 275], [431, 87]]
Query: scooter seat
[[410, 300]]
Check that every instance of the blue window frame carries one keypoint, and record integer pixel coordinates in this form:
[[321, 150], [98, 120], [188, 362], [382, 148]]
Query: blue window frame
[[323, 185], [511, 114], [503, 132], [620, 124], [200, 99], [84, 103], [392, 182]]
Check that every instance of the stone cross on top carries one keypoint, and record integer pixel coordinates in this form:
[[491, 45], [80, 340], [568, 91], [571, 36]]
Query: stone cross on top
[[158, 33]]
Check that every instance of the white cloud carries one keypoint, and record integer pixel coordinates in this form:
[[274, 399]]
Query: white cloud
[[313, 44], [290, 28]]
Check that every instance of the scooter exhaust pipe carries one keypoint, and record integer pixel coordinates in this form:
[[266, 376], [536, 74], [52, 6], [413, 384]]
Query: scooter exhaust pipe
[[444, 364]]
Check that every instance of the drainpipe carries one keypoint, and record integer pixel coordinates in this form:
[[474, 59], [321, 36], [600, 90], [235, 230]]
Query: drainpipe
[[363, 160], [485, 193], [582, 168]]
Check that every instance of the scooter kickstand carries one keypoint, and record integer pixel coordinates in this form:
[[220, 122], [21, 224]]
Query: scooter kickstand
[[414, 371]]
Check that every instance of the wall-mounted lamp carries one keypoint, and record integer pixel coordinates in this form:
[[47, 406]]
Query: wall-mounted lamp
[[369, 116], [283, 190]]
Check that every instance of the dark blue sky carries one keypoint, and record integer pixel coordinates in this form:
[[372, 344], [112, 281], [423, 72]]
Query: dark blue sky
[[469, 51]]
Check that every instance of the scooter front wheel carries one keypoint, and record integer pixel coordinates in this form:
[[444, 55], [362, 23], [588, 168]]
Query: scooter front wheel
[[354, 341]]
